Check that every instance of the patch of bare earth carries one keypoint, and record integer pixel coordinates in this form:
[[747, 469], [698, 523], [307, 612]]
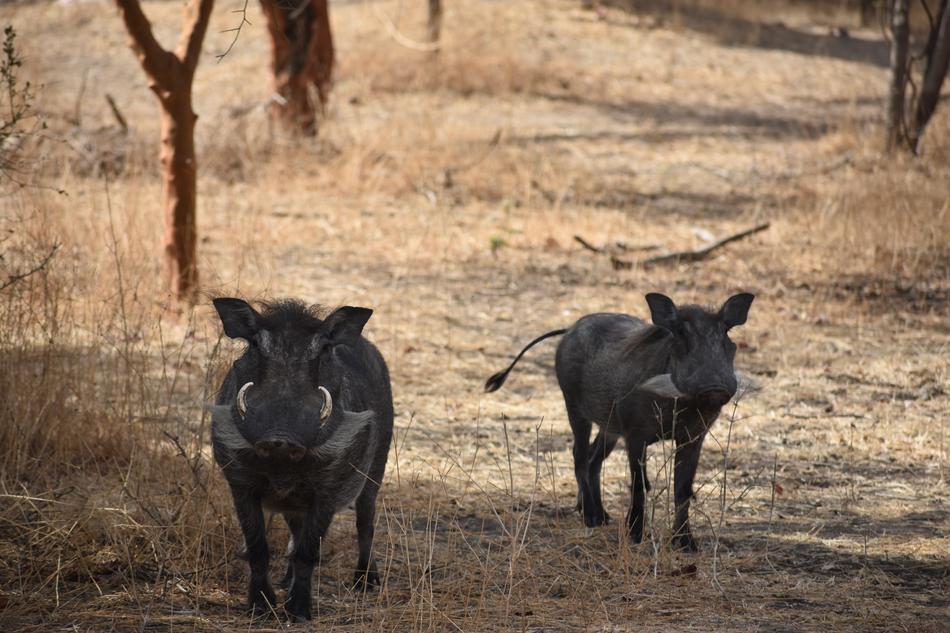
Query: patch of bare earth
[[445, 192]]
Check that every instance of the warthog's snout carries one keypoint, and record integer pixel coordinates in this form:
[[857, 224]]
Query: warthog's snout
[[279, 448]]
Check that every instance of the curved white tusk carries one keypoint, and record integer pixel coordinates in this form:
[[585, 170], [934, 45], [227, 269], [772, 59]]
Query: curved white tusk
[[327, 404], [242, 398]]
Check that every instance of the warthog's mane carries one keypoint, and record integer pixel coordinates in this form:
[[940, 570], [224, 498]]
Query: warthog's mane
[[651, 334], [290, 314]]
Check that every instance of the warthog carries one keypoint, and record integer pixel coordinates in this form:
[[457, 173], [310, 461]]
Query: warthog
[[302, 426], [644, 383]]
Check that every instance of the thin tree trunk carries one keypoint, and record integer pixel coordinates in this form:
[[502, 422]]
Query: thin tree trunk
[[301, 56], [180, 186], [938, 62], [435, 20], [868, 12], [900, 43], [170, 76], [321, 55]]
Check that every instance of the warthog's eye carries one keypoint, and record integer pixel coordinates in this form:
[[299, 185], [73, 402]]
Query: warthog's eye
[[242, 399]]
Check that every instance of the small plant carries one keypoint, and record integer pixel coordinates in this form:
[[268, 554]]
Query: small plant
[[495, 243], [18, 102]]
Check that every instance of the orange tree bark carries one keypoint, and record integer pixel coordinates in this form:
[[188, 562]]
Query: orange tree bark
[[301, 57], [170, 76]]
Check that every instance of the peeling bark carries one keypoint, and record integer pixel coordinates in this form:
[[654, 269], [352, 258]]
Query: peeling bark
[[170, 76]]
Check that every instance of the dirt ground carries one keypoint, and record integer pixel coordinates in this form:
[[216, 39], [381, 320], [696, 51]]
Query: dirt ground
[[445, 191]]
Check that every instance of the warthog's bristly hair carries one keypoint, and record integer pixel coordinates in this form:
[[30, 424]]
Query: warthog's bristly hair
[[289, 313]]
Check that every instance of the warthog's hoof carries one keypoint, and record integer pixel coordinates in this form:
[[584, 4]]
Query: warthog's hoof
[[366, 580], [685, 542], [298, 606], [261, 601], [596, 518]]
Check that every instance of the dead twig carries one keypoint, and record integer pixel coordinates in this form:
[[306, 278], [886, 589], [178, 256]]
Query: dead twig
[[117, 114], [620, 246], [687, 256], [580, 240], [15, 277], [236, 30], [451, 171], [402, 40]]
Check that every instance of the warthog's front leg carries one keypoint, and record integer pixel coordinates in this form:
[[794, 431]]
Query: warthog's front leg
[[684, 471], [636, 452], [260, 595], [305, 556]]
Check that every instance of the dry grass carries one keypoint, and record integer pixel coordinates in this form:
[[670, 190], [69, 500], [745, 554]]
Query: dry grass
[[829, 510]]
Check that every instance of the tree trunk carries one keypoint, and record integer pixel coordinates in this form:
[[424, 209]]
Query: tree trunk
[[170, 76], [900, 43], [301, 56], [435, 20], [938, 61], [321, 55], [868, 12], [180, 191]]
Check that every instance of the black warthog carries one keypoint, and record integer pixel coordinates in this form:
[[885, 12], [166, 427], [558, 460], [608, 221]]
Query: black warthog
[[302, 426], [644, 383]]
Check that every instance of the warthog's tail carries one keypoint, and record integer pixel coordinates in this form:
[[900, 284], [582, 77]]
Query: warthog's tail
[[497, 380]]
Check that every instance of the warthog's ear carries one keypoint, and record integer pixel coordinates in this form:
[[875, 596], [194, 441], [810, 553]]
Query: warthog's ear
[[344, 325], [240, 320], [735, 310], [663, 311]]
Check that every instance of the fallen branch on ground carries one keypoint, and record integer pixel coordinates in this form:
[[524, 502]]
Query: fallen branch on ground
[[620, 246], [687, 256]]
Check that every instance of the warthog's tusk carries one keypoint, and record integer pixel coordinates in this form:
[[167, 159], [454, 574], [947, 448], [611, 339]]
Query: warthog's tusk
[[327, 404], [241, 399]]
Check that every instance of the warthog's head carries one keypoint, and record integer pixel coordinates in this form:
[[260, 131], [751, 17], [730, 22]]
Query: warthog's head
[[701, 359], [284, 405]]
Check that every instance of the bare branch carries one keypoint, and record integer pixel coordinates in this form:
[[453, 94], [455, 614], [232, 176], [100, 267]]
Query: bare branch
[[156, 61], [16, 277], [688, 256], [117, 114], [236, 30], [401, 39], [197, 14], [580, 240]]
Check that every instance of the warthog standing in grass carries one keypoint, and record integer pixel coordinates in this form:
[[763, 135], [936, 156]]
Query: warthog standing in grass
[[302, 426], [644, 383]]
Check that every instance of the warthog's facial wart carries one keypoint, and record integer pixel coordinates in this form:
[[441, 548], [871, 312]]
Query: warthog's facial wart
[[345, 434], [225, 431], [746, 384], [662, 385]]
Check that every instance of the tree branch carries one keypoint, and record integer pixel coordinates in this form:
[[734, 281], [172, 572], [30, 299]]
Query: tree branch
[[687, 256], [236, 30], [14, 278], [155, 60], [197, 14]]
